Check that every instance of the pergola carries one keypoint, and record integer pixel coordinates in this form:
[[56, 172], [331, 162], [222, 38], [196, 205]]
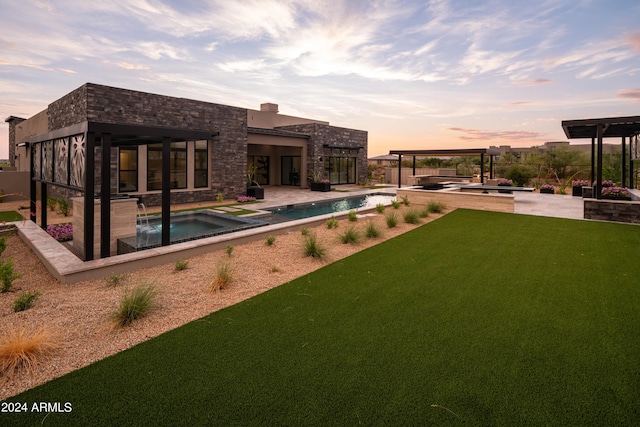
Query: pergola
[[597, 130], [67, 158], [482, 152]]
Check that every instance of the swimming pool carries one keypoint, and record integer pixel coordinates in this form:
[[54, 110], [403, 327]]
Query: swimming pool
[[185, 226], [306, 210]]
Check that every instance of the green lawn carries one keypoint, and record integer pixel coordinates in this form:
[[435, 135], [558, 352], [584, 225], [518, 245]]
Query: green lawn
[[10, 216], [477, 318]]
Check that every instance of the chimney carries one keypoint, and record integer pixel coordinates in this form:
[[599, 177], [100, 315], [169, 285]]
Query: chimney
[[272, 108]]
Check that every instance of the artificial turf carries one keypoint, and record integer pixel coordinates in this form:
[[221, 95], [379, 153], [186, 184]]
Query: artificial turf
[[477, 318], [10, 216]]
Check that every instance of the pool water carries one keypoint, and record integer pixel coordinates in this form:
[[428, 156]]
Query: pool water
[[307, 210], [184, 226]]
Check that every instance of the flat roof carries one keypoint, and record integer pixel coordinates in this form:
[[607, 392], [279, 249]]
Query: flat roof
[[450, 152], [613, 127]]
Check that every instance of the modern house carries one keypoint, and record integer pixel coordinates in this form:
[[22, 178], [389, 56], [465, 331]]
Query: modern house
[[211, 146]]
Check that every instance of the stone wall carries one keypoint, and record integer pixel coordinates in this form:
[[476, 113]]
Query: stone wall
[[333, 136], [13, 121], [121, 106], [612, 210]]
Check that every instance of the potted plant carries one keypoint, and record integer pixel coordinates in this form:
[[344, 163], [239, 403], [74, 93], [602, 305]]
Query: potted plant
[[615, 193], [547, 189], [253, 188], [318, 183], [503, 182], [577, 184]]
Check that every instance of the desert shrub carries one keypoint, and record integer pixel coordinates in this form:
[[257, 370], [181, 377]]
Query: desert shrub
[[353, 216], [7, 275], [391, 219], [63, 206], [25, 300], [21, 349], [134, 304], [350, 235], [223, 276], [305, 231], [372, 230], [435, 207], [312, 247], [115, 279], [181, 265], [332, 223], [411, 216], [3, 244], [270, 240], [519, 174], [380, 208], [396, 204], [229, 250], [220, 197], [405, 200], [424, 212], [52, 203]]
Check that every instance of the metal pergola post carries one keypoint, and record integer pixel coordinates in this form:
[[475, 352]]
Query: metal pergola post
[[600, 132], [166, 191], [593, 161], [399, 170], [89, 194], [105, 197], [623, 162], [482, 168], [32, 188]]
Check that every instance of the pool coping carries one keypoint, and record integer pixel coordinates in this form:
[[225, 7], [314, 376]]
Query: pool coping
[[67, 268]]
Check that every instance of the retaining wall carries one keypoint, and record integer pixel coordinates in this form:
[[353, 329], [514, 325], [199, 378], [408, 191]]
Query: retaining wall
[[612, 210], [454, 199]]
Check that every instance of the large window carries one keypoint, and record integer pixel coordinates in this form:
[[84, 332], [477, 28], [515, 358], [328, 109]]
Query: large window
[[128, 171], [340, 165], [178, 162], [201, 165]]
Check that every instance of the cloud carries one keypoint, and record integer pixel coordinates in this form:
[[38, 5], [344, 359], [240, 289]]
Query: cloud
[[519, 103], [484, 135], [634, 40], [530, 82], [633, 94]]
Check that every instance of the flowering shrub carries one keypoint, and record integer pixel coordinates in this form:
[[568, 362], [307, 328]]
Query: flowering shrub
[[61, 232], [547, 187], [504, 181], [324, 181], [245, 199], [615, 192], [580, 182], [606, 183]]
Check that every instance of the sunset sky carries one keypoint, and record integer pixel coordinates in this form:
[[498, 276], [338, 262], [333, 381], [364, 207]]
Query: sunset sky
[[414, 74]]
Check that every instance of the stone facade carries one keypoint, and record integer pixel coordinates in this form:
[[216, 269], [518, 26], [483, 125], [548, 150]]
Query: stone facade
[[121, 106], [13, 121], [612, 210], [325, 135]]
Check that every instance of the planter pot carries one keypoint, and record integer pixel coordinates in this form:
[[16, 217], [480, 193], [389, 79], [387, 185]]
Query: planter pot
[[320, 186], [576, 191], [505, 191], [257, 192], [587, 192], [628, 199], [546, 191]]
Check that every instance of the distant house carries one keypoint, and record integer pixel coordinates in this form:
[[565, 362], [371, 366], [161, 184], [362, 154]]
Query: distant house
[[211, 145], [383, 160]]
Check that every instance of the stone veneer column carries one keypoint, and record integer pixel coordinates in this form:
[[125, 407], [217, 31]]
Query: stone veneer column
[[13, 121]]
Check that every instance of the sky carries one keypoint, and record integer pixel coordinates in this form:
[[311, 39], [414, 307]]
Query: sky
[[414, 74]]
